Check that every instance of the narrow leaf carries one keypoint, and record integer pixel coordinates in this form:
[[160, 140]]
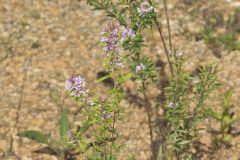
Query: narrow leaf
[[64, 125], [208, 111], [34, 135], [227, 99]]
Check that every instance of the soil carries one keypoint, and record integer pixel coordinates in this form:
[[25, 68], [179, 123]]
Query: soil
[[43, 42]]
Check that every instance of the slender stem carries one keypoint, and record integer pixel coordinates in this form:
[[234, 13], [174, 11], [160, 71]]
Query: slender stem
[[114, 110], [113, 128], [148, 109], [164, 45], [163, 42], [168, 24], [149, 113]]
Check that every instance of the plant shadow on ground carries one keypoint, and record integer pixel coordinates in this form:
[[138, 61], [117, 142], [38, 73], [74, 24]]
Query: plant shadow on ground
[[68, 155]]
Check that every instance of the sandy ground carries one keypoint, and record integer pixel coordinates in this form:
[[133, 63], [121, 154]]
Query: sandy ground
[[43, 42]]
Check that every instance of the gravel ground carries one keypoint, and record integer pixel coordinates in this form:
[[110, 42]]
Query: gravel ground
[[43, 42]]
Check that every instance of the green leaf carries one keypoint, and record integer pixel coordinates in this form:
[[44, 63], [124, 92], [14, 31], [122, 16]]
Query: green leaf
[[64, 125], [84, 128], [227, 138], [208, 111], [95, 4], [34, 135], [114, 9], [103, 78], [82, 147], [227, 99], [234, 120], [226, 119], [184, 142], [125, 78], [106, 3], [111, 157]]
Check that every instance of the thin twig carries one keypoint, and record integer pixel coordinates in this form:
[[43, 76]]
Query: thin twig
[[168, 24], [164, 45], [114, 111], [148, 110], [163, 42], [25, 69]]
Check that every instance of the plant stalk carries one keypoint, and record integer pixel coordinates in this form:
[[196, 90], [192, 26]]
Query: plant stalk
[[163, 43], [168, 25]]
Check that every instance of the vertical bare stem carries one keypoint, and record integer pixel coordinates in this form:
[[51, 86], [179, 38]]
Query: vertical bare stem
[[164, 43], [114, 111], [168, 24], [148, 108], [149, 111], [19, 106]]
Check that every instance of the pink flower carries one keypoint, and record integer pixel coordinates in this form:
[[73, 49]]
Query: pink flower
[[145, 7], [140, 67], [77, 87]]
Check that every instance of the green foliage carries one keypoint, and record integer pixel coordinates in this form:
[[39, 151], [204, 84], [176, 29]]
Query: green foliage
[[134, 45], [97, 138], [225, 117], [183, 108], [64, 125], [105, 5], [228, 39], [148, 73], [127, 14], [34, 135], [62, 145], [207, 83], [208, 35]]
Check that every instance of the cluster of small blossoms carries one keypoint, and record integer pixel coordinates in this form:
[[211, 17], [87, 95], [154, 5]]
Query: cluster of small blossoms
[[105, 115], [116, 61], [103, 110], [127, 33], [71, 137], [145, 7], [113, 37], [77, 87], [140, 67]]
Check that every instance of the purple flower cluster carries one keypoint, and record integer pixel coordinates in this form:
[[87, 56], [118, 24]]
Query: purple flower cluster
[[71, 137], [116, 61], [127, 33], [145, 7], [105, 115], [113, 37], [140, 67], [77, 86]]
